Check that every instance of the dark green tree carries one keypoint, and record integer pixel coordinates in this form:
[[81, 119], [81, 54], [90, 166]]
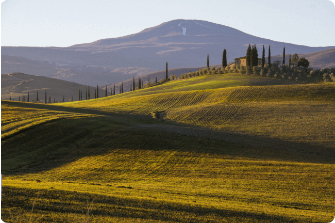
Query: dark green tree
[[106, 91], [45, 97], [166, 72], [263, 57], [224, 58], [248, 56], [284, 55], [254, 56], [97, 91], [28, 97], [295, 59], [134, 85], [207, 60], [37, 99], [114, 90], [303, 62], [79, 94], [139, 83], [86, 94], [269, 57]]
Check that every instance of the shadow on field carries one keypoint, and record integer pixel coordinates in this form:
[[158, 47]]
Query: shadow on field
[[54, 144], [65, 202]]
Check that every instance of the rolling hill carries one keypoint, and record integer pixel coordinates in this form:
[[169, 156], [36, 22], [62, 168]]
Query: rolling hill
[[219, 148]]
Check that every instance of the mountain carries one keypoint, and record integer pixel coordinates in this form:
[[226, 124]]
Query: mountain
[[183, 43]]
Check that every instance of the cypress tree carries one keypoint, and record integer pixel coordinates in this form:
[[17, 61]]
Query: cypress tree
[[37, 99], [248, 56], [269, 57], [28, 97], [289, 61], [207, 60], [79, 94], [254, 56], [166, 72], [134, 86], [224, 58], [19, 98], [284, 55], [97, 91], [106, 91], [142, 85], [114, 90], [45, 97], [86, 94], [139, 83], [54, 100], [263, 57]]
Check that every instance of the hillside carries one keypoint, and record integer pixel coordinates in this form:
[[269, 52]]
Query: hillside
[[81, 74], [19, 84], [317, 60], [219, 148]]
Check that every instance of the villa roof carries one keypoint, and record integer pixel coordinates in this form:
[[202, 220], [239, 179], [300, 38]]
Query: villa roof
[[245, 58]]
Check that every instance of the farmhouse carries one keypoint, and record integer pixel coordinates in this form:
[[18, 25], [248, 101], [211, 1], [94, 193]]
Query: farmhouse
[[243, 61]]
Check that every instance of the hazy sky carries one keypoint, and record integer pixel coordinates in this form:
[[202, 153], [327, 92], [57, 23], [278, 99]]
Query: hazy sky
[[68, 22]]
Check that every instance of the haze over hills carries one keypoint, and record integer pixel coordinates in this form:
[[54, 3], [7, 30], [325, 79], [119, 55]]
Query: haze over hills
[[183, 43]]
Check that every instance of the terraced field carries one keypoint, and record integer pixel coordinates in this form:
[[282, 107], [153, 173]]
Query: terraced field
[[227, 154]]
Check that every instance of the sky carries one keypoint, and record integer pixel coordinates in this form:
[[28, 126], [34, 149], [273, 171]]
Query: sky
[[63, 23]]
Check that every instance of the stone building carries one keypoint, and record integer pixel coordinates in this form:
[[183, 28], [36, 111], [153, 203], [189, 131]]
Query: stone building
[[243, 61]]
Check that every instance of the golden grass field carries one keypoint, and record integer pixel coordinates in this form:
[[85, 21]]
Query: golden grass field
[[226, 148]]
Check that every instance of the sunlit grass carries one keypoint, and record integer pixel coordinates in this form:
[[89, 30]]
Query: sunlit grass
[[132, 173]]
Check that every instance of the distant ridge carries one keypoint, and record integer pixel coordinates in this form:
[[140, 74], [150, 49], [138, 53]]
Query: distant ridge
[[183, 43]]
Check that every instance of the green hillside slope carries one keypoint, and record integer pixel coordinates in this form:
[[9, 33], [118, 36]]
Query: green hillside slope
[[219, 152]]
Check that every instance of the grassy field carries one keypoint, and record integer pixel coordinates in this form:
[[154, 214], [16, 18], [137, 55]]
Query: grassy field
[[225, 152]]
